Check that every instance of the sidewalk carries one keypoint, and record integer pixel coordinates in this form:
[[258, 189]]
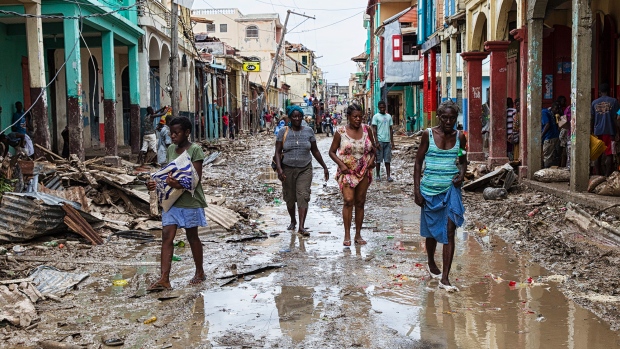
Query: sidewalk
[[562, 191]]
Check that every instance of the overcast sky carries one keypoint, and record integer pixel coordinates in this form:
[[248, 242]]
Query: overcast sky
[[342, 39]]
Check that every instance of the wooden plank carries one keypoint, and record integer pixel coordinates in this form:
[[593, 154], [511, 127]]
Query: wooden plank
[[49, 152]]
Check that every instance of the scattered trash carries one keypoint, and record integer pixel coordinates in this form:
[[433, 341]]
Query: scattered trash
[[248, 278], [277, 202], [494, 193], [19, 250], [2, 251], [58, 345], [113, 341], [150, 320], [52, 243], [18, 303], [176, 258], [179, 243], [541, 318], [119, 281], [533, 212], [273, 235], [325, 232], [390, 237]]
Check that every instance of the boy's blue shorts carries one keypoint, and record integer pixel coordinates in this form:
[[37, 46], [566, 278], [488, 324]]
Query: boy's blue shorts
[[184, 217]]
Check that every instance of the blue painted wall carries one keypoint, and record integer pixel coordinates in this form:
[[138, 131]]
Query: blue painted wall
[[11, 86]]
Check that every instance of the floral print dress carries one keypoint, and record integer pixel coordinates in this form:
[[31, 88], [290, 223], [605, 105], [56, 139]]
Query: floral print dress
[[356, 154]]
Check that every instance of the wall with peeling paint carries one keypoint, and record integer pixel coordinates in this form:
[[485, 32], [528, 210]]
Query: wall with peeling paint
[[11, 87]]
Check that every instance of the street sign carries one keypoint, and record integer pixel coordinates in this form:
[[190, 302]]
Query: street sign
[[251, 66]]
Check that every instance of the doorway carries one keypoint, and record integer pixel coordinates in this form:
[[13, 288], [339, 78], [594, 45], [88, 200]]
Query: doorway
[[93, 96]]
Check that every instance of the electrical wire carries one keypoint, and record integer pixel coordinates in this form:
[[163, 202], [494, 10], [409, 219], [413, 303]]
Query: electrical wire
[[315, 9]]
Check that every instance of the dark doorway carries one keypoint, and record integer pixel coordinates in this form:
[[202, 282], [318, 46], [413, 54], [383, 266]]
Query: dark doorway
[[126, 106], [393, 106], [93, 100]]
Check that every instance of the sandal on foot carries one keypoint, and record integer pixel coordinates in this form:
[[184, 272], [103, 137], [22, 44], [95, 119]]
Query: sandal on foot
[[360, 242], [448, 288], [157, 287], [346, 243], [433, 275], [291, 226], [303, 232], [390, 179]]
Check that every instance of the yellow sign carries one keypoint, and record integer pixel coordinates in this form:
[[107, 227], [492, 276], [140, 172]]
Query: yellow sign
[[251, 66]]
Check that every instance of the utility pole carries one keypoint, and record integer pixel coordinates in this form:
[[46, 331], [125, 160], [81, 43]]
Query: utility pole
[[275, 62], [174, 58]]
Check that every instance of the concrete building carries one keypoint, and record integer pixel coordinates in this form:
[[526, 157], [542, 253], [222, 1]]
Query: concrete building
[[81, 72]]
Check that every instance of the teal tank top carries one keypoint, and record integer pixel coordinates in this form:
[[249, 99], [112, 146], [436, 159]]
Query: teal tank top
[[440, 167]]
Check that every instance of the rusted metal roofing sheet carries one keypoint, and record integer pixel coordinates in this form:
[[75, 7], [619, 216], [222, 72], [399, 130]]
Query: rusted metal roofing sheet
[[24, 216]]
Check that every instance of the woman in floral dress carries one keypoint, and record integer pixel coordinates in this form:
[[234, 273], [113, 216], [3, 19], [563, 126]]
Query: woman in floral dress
[[353, 150]]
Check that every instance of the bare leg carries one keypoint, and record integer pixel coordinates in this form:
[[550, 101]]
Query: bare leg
[[167, 238], [303, 212], [448, 253], [348, 195], [387, 170], [431, 245], [196, 246], [291, 213], [360, 200], [378, 170]]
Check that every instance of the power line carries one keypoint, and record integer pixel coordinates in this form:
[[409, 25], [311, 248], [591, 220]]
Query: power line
[[314, 9], [28, 15], [329, 25]]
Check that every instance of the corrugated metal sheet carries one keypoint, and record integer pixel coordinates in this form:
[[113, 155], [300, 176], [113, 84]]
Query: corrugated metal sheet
[[24, 216], [51, 280], [221, 215]]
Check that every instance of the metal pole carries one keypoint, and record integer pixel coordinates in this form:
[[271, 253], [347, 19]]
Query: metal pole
[[174, 62]]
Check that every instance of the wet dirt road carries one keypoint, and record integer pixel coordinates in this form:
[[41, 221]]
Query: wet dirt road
[[379, 295], [327, 296]]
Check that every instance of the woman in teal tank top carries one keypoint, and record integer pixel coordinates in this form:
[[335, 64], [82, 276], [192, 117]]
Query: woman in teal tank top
[[438, 193]]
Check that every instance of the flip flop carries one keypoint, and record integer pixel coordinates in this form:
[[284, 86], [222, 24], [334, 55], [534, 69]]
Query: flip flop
[[448, 288], [390, 179], [360, 242], [303, 232], [157, 287], [291, 226], [346, 243], [433, 276]]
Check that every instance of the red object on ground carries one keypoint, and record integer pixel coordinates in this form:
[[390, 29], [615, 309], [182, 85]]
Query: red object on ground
[[61, 246], [530, 280], [512, 283]]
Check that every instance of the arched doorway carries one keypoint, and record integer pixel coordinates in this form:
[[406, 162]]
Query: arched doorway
[[93, 99], [126, 106], [480, 33]]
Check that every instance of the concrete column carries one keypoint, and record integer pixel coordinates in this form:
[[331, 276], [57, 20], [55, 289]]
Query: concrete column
[[36, 68], [453, 77], [444, 70], [521, 35], [73, 74], [134, 97], [581, 81], [474, 103], [497, 139], [433, 87], [533, 98], [109, 93]]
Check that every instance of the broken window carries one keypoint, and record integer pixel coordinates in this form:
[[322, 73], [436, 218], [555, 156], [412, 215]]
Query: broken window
[[304, 60], [251, 31]]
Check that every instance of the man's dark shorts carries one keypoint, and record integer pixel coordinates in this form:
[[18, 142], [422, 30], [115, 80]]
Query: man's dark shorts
[[384, 153]]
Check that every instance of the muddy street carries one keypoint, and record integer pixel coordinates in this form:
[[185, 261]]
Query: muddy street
[[269, 288]]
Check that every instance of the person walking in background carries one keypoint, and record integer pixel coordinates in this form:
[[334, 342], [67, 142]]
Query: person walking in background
[[149, 139], [226, 122], [382, 125], [604, 125], [164, 141], [550, 135], [268, 118], [438, 193], [295, 147], [354, 152], [516, 130]]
